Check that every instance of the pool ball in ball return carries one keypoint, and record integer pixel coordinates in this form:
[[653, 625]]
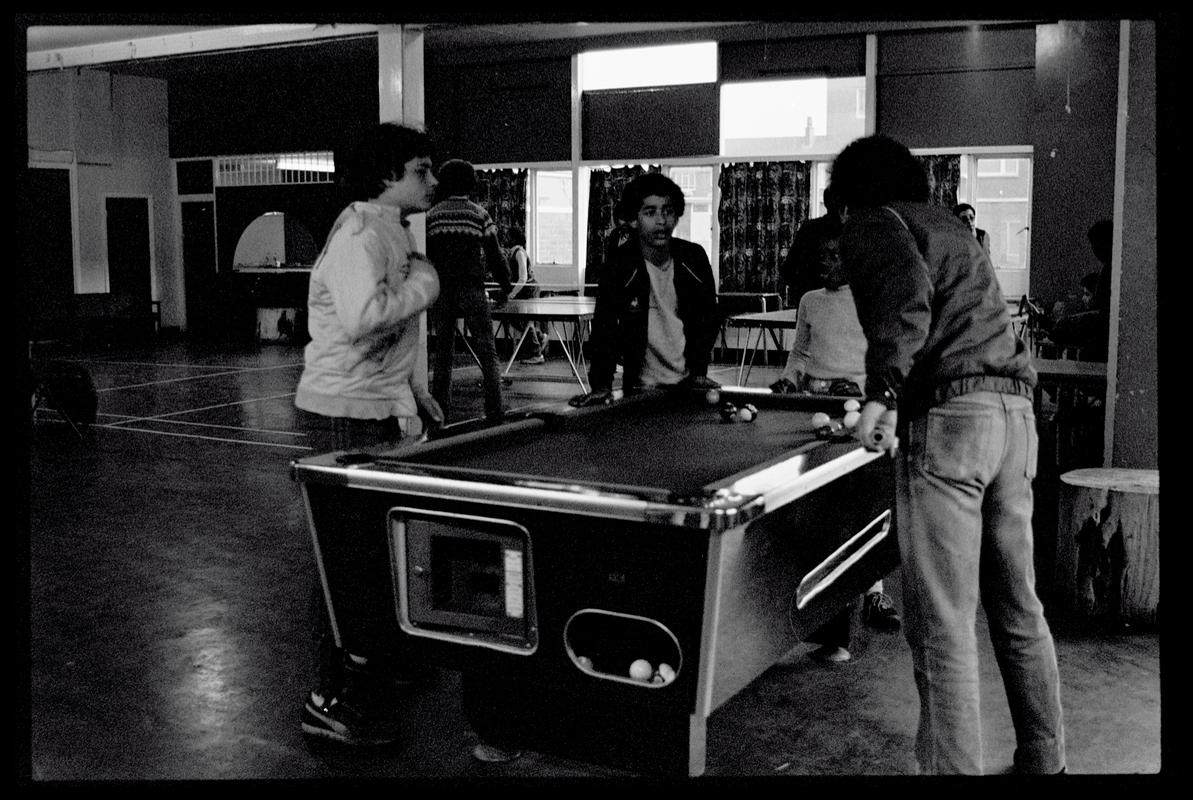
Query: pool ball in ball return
[[850, 419], [641, 670], [852, 405], [820, 419], [728, 412]]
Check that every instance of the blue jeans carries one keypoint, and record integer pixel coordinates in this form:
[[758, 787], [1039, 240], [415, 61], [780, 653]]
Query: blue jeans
[[964, 510], [325, 434]]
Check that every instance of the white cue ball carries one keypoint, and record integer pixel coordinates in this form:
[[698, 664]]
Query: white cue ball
[[852, 405], [745, 415], [712, 397], [851, 418], [641, 670], [666, 672], [820, 419]]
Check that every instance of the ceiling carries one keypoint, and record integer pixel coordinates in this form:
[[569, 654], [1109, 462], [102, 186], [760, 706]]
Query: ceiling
[[50, 44], [56, 41]]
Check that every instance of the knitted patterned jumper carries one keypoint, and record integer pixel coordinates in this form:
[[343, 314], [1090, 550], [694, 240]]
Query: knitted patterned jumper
[[462, 243]]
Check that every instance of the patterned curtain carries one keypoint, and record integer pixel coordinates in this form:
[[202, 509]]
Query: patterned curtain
[[762, 204], [604, 190], [502, 192], [944, 176]]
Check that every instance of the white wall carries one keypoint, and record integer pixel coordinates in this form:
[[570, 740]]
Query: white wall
[[115, 129]]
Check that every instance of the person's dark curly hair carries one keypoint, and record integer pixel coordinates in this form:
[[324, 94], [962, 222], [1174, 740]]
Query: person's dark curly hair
[[876, 170], [456, 176], [382, 155], [643, 187]]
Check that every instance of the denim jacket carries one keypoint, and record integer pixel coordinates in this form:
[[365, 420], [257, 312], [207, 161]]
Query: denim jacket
[[936, 322], [623, 302]]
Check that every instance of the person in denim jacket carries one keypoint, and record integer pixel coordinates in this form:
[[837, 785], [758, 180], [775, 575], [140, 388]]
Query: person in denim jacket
[[951, 383]]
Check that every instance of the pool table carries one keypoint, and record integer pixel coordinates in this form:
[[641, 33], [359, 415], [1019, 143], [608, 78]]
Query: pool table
[[545, 555]]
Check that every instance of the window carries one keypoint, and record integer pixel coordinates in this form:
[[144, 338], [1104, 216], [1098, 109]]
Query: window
[[666, 65], [269, 170], [999, 189], [998, 167], [551, 210], [820, 179], [791, 117], [696, 223]]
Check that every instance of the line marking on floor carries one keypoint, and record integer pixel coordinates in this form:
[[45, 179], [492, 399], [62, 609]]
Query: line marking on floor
[[192, 378], [205, 438], [131, 418], [204, 408]]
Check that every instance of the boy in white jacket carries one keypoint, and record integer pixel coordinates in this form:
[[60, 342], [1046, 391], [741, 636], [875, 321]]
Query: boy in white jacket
[[360, 386]]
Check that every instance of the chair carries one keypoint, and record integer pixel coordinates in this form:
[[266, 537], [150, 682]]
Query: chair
[[67, 389]]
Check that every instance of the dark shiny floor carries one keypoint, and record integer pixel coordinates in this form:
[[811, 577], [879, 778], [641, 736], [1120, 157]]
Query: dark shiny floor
[[168, 588]]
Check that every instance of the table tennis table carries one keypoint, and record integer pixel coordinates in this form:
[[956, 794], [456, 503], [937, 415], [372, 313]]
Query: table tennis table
[[569, 317], [758, 326]]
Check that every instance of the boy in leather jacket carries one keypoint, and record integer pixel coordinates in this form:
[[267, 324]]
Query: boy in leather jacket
[[656, 308]]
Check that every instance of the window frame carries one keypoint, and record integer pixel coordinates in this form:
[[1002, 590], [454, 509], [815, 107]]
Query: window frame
[[970, 157]]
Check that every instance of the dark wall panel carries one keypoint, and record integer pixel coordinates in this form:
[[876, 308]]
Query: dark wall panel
[[1075, 116], [315, 97], [962, 109], [194, 177], [513, 112], [656, 122], [956, 49], [834, 56]]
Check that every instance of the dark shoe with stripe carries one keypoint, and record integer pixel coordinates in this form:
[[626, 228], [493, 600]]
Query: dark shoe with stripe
[[332, 719]]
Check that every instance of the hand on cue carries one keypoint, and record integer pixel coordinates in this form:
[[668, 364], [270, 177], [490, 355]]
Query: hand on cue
[[876, 426]]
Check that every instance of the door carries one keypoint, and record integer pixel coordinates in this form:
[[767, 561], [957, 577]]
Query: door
[[129, 255], [49, 254], [198, 259]]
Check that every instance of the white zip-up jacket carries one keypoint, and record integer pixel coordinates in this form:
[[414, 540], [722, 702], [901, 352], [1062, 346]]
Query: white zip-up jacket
[[363, 306]]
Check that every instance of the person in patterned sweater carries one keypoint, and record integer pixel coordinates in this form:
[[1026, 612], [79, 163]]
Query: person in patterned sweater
[[461, 243]]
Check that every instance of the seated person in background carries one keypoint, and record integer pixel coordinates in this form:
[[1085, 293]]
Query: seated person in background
[[966, 213], [525, 287], [802, 270], [1089, 288], [1088, 331], [622, 232], [828, 356], [656, 306]]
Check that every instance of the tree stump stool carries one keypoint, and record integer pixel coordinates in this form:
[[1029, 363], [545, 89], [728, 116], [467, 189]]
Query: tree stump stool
[[1108, 544]]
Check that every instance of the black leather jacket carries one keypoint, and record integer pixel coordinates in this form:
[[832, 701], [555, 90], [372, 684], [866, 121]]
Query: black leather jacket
[[936, 322], [623, 303]]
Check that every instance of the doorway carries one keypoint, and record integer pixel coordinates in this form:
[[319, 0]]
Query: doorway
[[49, 254], [130, 257]]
